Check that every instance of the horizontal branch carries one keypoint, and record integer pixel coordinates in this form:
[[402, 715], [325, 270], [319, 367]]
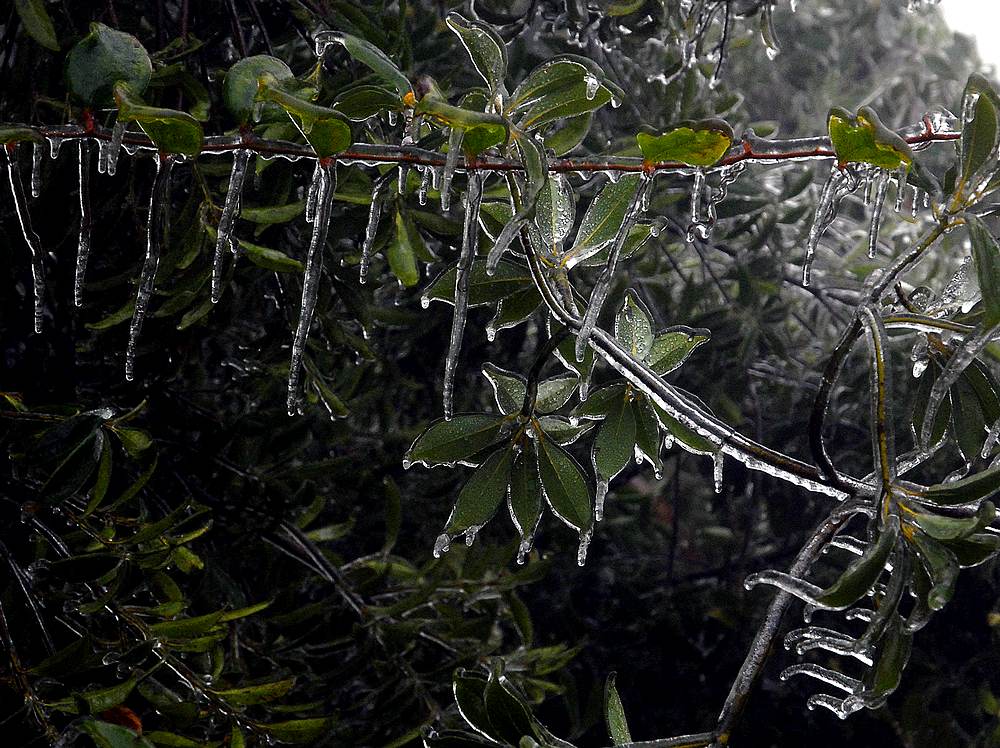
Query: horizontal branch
[[750, 149]]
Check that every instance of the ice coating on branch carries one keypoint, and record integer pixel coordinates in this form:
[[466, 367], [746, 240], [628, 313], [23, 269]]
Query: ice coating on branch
[[371, 228], [805, 591], [30, 237], [230, 212], [603, 285], [155, 227], [840, 183], [881, 179], [83, 240], [470, 243], [114, 148], [326, 178], [36, 169]]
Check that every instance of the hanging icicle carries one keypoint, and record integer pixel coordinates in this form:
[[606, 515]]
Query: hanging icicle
[[450, 164], [114, 148], [841, 182], [326, 181], [881, 180], [159, 205], [371, 229], [86, 221], [603, 285], [227, 222], [37, 154], [470, 243], [30, 237]]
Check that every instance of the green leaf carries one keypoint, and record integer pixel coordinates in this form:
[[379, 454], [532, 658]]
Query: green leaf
[[673, 346], [600, 402], [17, 134], [555, 392], [299, 731], [187, 628], [267, 215], [570, 134], [536, 168], [101, 699], [483, 288], [401, 253], [700, 143], [562, 430], [943, 527], [687, 437], [986, 253], [481, 130], [100, 60], [980, 131], [469, 689], [864, 139], [982, 485], [975, 549], [455, 441], [325, 129], [37, 23], [647, 434], [514, 309], [614, 714], [481, 495], [171, 131], [509, 388], [633, 326], [614, 445], [485, 47], [863, 572], [363, 102], [369, 55], [135, 441], [603, 218], [555, 212], [524, 498], [508, 713], [270, 259], [893, 654], [564, 485], [559, 88], [941, 567], [920, 400], [258, 694], [107, 735]]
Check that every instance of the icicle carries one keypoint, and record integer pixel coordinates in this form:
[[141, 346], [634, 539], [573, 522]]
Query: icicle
[[523, 550], [425, 181], [900, 187], [230, 212], [883, 187], [826, 212], [83, 242], [102, 156], [591, 83], [503, 240], [30, 237], [36, 169], [991, 439], [470, 241], [771, 47], [311, 278], [311, 193], [450, 164], [371, 229], [442, 545], [820, 673], [727, 176], [668, 441], [581, 552], [717, 463], [805, 591], [158, 205], [391, 117], [834, 704], [868, 186], [696, 190], [470, 535], [114, 148], [915, 203], [603, 285], [602, 494]]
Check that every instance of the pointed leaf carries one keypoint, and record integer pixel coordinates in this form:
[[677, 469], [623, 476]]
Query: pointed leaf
[[482, 493], [603, 218], [447, 442], [614, 714], [37, 23], [633, 326], [485, 47], [863, 572], [699, 143], [864, 139], [672, 347], [367, 54], [986, 253], [524, 499], [614, 445], [508, 388], [564, 485]]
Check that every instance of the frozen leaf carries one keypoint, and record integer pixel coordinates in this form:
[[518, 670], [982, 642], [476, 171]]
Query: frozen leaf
[[508, 388], [368, 54], [37, 23], [485, 47], [941, 567], [986, 254], [647, 435], [980, 132], [700, 143], [483, 288], [555, 212], [555, 392], [481, 130], [687, 437], [945, 528], [633, 326], [108, 735], [239, 88], [564, 485], [557, 89], [893, 655], [270, 259], [613, 448], [171, 131], [449, 442], [298, 731], [258, 694], [325, 129], [673, 346], [863, 572], [603, 218], [976, 487], [482, 494], [574, 129], [864, 139], [508, 713], [564, 431], [402, 254], [103, 58], [614, 714], [524, 499], [600, 402]]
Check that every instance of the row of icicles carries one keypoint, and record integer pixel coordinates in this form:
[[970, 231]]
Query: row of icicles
[[319, 200]]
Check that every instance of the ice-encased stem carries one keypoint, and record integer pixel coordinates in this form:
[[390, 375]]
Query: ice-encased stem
[[86, 220], [158, 206], [30, 237], [470, 243], [230, 212], [603, 285], [327, 177], [37, 154], [882, 179], [371, 229], [883, 434], [114, 148], [960, 360]]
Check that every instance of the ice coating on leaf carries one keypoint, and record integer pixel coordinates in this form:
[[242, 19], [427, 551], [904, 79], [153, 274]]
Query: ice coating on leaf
[[114, 148], [83, 240], [325, 187], [603, 285], [825, 675], [442, 545], [227, 222], [36, 169], [28, 232], [470, 243], [700, 143], [863, 138], [371, 228], [158, 205], [882, 181]]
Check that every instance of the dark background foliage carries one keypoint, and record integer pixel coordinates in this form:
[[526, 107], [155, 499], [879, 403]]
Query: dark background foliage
[[660, 599]]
